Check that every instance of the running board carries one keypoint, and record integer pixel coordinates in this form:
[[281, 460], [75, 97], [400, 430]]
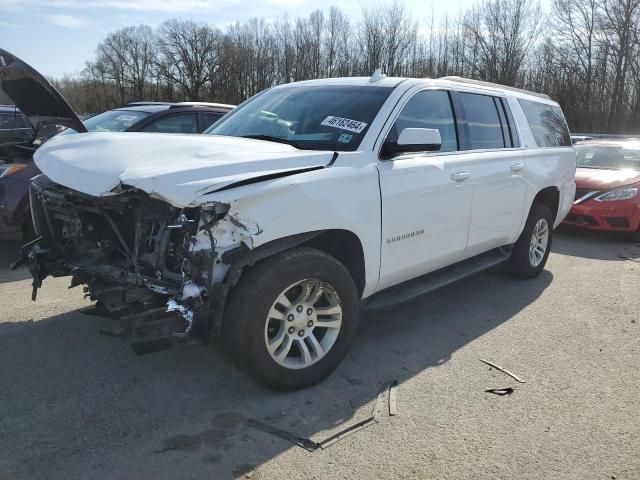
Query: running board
[[431, 281]]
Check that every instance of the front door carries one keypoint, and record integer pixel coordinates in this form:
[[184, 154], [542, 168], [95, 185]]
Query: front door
[[426, 201]]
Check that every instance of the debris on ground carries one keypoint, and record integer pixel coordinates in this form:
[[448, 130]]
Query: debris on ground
[[500, 391], [388, 392], [636, 260], [503, 370], [393, 399]]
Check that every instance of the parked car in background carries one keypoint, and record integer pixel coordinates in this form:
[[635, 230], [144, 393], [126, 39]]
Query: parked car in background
[[607, 186], [158, 117], [39, 121], [14, 126]]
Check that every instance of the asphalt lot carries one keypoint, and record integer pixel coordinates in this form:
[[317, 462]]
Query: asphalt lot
[[75, 404]]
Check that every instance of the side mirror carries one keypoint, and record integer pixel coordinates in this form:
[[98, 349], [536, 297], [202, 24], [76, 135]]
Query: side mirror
[[413, 140]]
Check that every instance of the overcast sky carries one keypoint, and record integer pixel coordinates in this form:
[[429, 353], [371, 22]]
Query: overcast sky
[[58, 36]]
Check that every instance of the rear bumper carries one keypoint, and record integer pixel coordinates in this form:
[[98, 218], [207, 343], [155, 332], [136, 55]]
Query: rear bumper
[[623, 216]]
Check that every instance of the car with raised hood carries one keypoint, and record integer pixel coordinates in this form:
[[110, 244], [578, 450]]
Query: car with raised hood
[[268, 232], [607, 187], [22, 132]]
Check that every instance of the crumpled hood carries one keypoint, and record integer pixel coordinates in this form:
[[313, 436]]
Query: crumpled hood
[[175, 168], [605, 179]]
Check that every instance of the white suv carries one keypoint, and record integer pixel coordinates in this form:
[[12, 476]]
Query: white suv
[[309, 198]]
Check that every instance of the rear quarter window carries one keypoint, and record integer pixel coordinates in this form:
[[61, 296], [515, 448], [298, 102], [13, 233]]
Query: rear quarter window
[[547, 124]]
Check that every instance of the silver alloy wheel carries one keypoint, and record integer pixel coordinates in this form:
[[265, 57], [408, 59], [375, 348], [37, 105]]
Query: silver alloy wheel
[[539, 242], [303, 323]]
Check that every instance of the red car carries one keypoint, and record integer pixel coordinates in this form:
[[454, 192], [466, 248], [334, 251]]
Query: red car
[[607, 186]]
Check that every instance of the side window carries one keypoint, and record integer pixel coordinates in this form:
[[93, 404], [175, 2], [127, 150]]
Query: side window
[[211, 118], [177, 123], [428, 109], [485, 129], [10, 121], [547, 124]]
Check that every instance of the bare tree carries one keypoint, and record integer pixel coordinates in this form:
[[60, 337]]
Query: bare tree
[[187, 55], [502, 33], [588, 59]]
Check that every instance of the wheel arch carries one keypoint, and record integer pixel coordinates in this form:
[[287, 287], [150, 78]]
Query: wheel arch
[[550, 197], [343, 245]]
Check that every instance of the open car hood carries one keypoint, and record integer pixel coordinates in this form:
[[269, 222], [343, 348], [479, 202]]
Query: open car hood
[[172, 167], [34, 95]]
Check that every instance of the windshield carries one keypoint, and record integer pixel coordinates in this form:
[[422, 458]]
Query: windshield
[[111, 121], [318, 118], [617, 157]]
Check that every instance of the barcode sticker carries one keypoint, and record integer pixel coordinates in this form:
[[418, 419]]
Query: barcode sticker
[[344, 124]]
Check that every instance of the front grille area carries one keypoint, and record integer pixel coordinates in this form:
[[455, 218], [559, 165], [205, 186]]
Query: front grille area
[[618, 222], [581, 219]]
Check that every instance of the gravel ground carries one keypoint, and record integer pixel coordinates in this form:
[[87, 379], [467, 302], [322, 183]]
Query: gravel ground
[[74, 404]]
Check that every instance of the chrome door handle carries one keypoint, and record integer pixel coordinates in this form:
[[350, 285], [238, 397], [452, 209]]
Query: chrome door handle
[[516, 167], [460, 176]]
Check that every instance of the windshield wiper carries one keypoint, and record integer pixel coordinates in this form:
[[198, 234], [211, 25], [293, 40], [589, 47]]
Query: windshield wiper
[[271, 138]]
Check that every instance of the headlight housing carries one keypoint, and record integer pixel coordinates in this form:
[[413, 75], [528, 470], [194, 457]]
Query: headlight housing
[[626, 193], [11, 168]]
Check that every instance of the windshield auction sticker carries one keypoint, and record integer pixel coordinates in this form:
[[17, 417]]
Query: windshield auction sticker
[[344, 124]]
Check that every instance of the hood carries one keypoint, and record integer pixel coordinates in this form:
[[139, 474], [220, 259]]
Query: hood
[[605, 179], [34, 95], [173, 167]]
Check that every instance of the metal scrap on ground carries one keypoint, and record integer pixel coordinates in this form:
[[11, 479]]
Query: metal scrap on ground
[[389, 391], [503, 370], [629, 258], [500, 391], [393, 399]]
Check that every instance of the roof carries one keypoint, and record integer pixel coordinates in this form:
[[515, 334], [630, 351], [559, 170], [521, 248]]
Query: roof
[[146, 107], [222, 106], [355, 81], [9, 108], [378, 80], [153, 107]]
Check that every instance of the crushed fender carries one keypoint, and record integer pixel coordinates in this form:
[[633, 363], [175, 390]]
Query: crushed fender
[[137, 256]]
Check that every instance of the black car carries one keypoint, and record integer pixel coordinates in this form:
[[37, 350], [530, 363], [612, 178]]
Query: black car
[[162, 117], [14, 126]]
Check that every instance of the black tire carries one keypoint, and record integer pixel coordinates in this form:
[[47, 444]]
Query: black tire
[[634, 236], [243, 334], [519, 263]]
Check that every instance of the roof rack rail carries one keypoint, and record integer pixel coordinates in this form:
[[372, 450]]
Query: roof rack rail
[[471, 81], [201, 104], [140, 104]]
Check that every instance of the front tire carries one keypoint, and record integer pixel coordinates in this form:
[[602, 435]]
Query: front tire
[[531, 251], [292, 318]]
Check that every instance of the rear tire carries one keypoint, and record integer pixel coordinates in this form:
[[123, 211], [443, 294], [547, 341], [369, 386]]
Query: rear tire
[[530, 253], [292, 318]]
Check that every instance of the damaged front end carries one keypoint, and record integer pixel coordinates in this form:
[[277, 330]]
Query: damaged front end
[[138, 257]]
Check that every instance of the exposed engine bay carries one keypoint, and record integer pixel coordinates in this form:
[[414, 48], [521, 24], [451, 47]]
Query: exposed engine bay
[[135, 255]]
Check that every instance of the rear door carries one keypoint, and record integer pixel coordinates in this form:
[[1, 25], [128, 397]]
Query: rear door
[[497, 171], [426, 202]]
